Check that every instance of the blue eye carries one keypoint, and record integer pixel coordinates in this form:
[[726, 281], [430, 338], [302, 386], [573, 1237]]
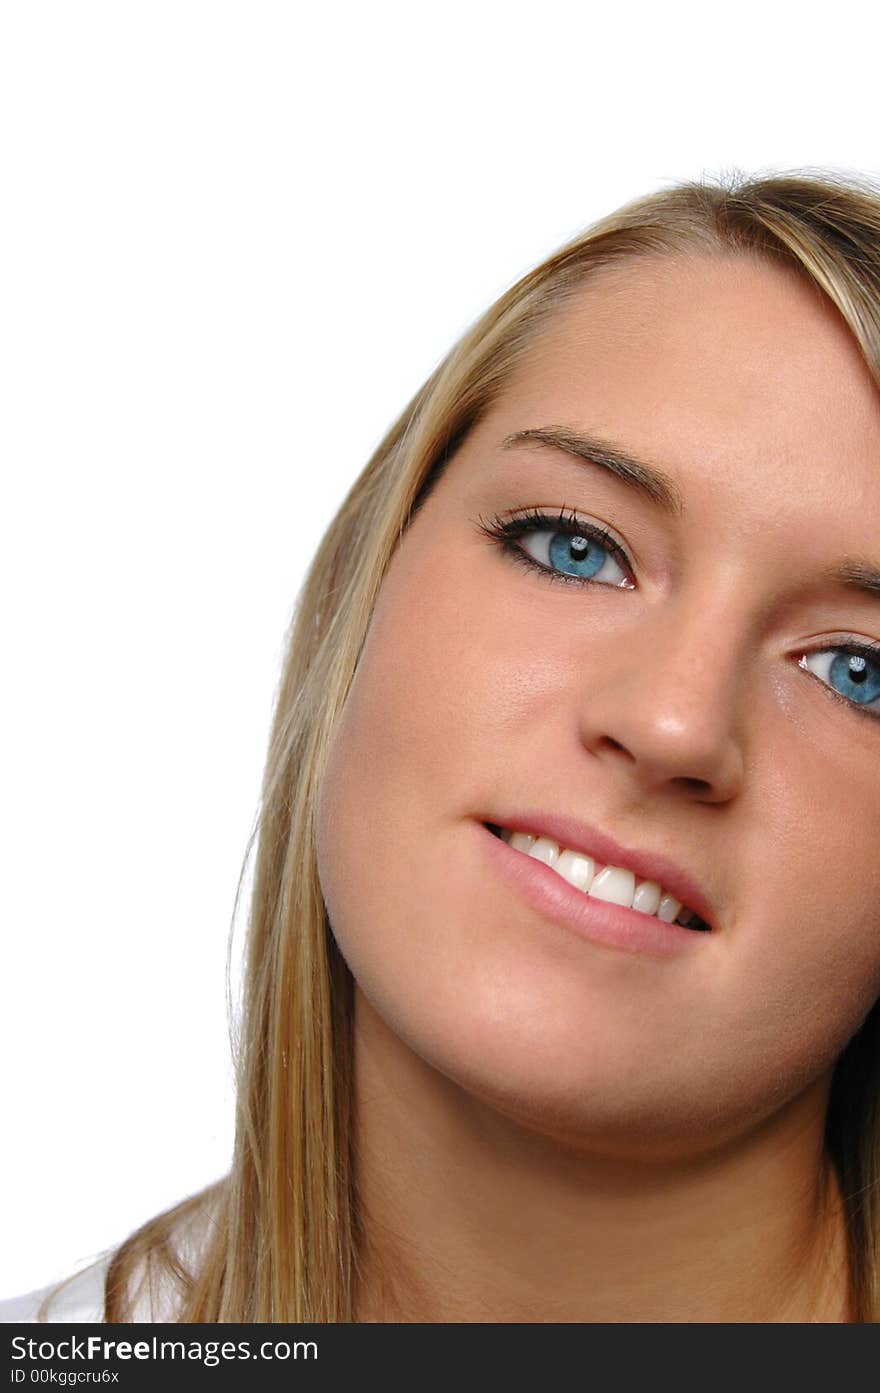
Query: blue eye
[[574, 554], [851, 671], [562, 547]]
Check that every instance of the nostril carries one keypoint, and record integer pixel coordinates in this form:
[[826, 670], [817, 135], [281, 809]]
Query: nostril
[[696, 785]]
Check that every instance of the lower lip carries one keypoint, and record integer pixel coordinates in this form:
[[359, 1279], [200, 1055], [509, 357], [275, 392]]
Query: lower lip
[[594, 919]]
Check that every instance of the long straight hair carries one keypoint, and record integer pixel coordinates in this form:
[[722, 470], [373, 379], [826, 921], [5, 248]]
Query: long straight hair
[[282, 1228]]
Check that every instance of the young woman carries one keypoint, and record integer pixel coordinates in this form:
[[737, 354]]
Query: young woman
[[564, 944]]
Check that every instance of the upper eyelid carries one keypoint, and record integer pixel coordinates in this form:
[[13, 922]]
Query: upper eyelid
[[852, 644], [553, 514], [569, 518]]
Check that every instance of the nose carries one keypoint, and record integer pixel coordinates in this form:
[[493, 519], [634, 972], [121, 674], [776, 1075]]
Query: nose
[[666, 701]]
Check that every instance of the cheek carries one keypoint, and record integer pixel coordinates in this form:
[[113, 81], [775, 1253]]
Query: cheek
[[438, 709], [447, 686], [392, 776], [809, 913], [397, 734]]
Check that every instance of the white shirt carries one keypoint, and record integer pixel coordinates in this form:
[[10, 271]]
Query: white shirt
[[81, 1298]]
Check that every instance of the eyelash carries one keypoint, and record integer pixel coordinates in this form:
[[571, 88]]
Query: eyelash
[[506, 531]]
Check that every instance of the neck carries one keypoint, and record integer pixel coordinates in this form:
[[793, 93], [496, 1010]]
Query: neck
[[467, 1216]]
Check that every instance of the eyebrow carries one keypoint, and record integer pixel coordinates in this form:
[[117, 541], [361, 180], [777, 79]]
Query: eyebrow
[[856, 574], [852, 572], [645, 478]]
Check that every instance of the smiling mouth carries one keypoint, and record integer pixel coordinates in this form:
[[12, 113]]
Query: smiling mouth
[[614, 884]]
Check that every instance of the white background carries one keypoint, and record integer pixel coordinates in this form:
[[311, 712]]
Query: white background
[[234, 239]]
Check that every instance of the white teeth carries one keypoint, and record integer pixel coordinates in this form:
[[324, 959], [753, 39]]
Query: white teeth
[[545, 850], [520, 841], [578, 870], [614, 884], [647, 897], [669, 907]]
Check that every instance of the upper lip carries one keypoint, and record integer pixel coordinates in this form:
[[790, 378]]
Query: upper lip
[[647, 865]]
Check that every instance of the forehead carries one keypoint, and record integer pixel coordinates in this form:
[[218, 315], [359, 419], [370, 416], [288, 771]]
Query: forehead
[[719, 368]]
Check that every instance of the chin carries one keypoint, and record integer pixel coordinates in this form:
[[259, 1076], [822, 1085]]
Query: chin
[[590, 1096]]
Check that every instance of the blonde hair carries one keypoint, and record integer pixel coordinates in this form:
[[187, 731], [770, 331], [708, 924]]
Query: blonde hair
[[284, 1234]]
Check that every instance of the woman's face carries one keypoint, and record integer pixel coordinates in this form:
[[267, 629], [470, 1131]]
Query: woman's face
[[656, 697]]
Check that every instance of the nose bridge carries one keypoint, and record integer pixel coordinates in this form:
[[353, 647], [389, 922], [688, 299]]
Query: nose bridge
[[673, 699]]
